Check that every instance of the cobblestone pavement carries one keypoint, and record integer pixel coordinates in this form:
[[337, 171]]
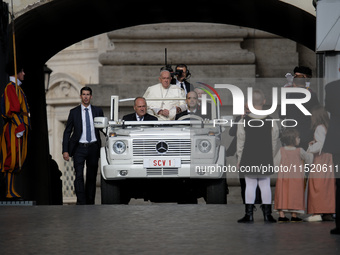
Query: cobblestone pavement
[[155, 229]]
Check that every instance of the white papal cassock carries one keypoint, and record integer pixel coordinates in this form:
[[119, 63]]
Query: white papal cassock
[[157, 91]]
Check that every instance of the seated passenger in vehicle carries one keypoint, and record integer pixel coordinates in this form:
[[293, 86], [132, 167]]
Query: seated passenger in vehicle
[[193, 107], [167, 109], [140, 113]]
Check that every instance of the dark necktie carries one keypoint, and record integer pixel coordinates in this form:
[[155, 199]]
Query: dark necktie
[[182, 86], [88, 126]]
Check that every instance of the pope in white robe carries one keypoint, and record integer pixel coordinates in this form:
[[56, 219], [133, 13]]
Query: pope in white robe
[[165, 109]]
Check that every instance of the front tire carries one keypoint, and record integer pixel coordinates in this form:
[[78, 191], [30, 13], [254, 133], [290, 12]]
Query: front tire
[[112, 192], [217, 192]]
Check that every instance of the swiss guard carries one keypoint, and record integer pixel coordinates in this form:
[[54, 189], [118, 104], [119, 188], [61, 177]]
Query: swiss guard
[[16, 116]]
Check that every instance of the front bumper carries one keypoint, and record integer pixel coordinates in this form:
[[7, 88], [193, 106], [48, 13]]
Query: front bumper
[[133, 171]]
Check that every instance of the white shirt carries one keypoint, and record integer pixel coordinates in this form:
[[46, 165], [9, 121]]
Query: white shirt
[[139, 118], [178, 83], [306, 156], [83, 136], [12, 79], [194, 111], [319, 136]]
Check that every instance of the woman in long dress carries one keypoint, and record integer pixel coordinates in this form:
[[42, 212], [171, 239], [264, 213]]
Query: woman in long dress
[[321, 182], [289, 190]]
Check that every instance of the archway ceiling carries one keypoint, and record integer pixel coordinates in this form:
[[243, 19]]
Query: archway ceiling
[[44, 31]]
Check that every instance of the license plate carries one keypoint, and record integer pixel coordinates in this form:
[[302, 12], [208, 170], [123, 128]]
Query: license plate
[[162, 162]]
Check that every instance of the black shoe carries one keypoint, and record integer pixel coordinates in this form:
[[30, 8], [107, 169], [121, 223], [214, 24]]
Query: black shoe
[[269, 219], [248, 218], [267, 213], [295, 219], [283, 219], [327, 217], [335, 231]]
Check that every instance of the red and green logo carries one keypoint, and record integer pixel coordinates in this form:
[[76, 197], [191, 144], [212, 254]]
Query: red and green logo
[[209, 93]]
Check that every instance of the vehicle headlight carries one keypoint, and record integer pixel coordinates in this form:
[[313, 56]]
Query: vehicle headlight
[[204, 146], [119, 147]]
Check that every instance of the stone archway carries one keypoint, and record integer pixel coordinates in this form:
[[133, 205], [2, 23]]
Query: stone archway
[[63, 23], [43, 31]]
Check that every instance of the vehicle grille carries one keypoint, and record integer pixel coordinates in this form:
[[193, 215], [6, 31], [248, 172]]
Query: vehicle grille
[[147, 147], [161, 171]]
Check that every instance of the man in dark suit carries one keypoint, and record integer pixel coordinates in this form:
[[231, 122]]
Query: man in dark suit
[[140, 113], [332, 141], [183, 74], [82, 142], [193, 107]]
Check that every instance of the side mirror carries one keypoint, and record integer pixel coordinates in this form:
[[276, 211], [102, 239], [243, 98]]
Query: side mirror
[[101, 122]]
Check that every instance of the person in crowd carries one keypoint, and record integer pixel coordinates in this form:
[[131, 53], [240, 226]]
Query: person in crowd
[[290, 184], [332, 141], [165, 109], [255, 148], [14, 140], [299, 72], [303, 72], [182, 74], [303, 122], [81, 140], [140, 113], [231, 152], [199, 92], [321, 182]]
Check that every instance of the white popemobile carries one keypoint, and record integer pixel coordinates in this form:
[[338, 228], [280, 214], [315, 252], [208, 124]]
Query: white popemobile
[[162, 161]]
